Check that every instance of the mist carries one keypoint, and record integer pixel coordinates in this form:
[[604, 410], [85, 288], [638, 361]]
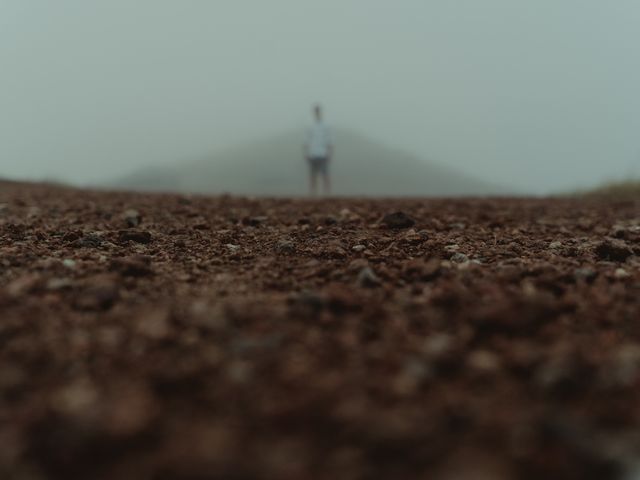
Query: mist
[[537, 96]]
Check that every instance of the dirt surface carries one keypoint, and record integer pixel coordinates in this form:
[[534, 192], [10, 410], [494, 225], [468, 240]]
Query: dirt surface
[[173, 337]]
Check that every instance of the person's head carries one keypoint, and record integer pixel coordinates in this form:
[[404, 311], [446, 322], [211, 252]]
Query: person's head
[[317, 112]]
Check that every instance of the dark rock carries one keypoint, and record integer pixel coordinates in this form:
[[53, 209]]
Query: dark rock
[[613, 250], [72, 236], [398, 220], [619, 233], [254, 221], [137, 236], [90, 240]]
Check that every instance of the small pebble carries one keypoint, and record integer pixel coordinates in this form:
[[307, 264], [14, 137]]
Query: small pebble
[[621, 274], [70, 264], [459, 258], [367, 278]]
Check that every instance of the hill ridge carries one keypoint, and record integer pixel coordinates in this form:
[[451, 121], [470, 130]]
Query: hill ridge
[[274, 166]]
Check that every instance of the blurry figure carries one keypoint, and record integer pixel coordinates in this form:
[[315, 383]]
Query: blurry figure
[[318, 150]]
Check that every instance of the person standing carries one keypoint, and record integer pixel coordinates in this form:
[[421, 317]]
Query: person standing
[[318, 151]]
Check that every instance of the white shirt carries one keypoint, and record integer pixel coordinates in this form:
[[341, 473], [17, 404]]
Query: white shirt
[[319, 140]]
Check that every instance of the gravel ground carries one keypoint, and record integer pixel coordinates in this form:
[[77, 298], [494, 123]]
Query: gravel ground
[[174, 337]]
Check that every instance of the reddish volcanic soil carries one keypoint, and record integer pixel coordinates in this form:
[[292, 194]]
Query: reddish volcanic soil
[[237, 338]]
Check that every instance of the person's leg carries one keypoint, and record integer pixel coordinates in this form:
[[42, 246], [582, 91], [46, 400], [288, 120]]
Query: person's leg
[[325, 176], [313, 184], [313, 175]]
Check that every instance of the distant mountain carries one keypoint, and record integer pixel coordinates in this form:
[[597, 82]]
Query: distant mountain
[[275, 167], [629, 189]]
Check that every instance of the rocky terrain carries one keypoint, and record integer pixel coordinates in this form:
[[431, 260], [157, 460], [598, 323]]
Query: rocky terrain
[[173, 337]]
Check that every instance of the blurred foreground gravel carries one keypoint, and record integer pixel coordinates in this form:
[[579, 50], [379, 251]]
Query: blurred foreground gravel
[[172, 337]]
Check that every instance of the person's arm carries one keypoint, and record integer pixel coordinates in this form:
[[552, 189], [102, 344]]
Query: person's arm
[[330, 148]]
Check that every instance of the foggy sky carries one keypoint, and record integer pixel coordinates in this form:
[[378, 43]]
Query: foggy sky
[[540, 95]]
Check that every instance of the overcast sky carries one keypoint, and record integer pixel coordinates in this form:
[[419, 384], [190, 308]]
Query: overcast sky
[[541, 95]]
